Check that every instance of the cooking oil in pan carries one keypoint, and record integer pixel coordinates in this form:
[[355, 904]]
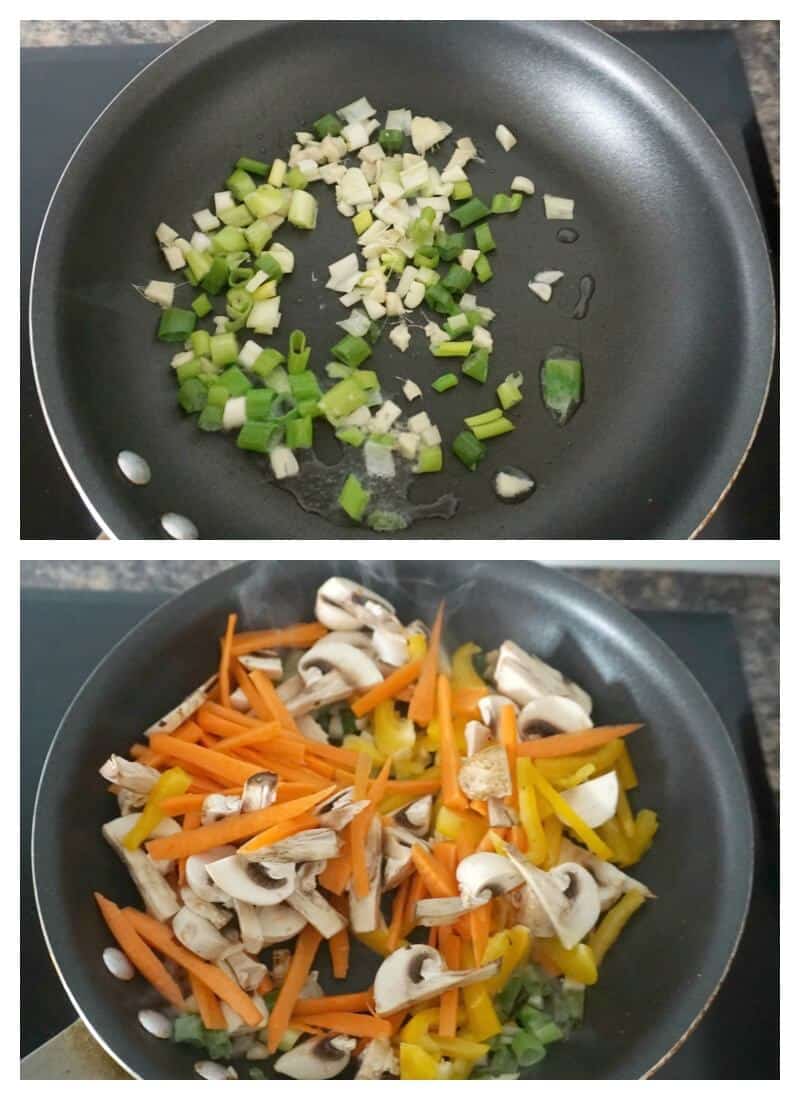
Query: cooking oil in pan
[[567, 235], [585, 292]]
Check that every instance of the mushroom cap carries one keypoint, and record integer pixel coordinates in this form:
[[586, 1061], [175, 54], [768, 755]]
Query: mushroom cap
[[568, 895], [551, 714], [330, 688], [317, 1059], [415, 818], [417, 973], [612, 883], [199, 935], [259, 792], [198, 878], [280, 923], [397, 845], [330, 655], [486, 775], [595, 801], [217, 806], [343, 604], [477, 735], [432, 912], [310, 844], [490, 708], [525, 677], [214, 913], [390, 644], [378, 1059], [259, 883], [486, 875]]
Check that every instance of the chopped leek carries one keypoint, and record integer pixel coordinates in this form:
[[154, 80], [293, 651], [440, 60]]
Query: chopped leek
[[354, 498]]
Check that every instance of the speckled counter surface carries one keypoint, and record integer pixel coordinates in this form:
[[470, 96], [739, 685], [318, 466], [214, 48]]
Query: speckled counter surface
[[758, 41], [751, 600]]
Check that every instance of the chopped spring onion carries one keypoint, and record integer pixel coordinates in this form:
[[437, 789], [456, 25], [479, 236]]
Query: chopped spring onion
[[469, 258], [472, 211], [562, 387], [557, 208], [192, 395], [327, 126], [265, 316], [240, 183], [302, 211], [462, 189], [267, 361], [235, 381], [174, 258], [457, 324], [354, 437], [342, 399], [483, 418], [505, 137], [445, 382], [458, 279], [453, 349], [509, 392], [256, 167], [469, 449], [202, 305], [451, 245], [391, 141], [483, 269], [506, 204], [283, 462], [484, 241], [255, 436], [439, 298], [206, 221], [522, 184], [300, 433], [476, 365], [201, 342], [176, 325], [304, 387], [224, 349], [299, 353], [210, 419], [258, 404], [354, 498], [430, 460], [351, 350], [496, 427]]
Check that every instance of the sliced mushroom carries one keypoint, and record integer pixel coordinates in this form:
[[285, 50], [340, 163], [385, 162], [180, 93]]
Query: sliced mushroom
[[417, 973], [129, 774], [378, 1060], [390, 645], [290, 687], [259, 883], [158, 896], [500, 815], [239, 701], [477, 737], [313, 844], [281, 958], [249, 921], [265, 661], [524, 677], [331, 688], [330, 655], [312, 730], [249, 972], [129, 801], [551, 714], [317, 910], [532, 914], [397, 845], [259, 792], [217, 915], [339, 810], [311, 986], [318, 1059], [365, 912], [568, 894], [234, 1024], [185, 709], [486, 775], [432, 912], [611, 882], [343, 604], [199, 935], [485, 875], [197, 874], [595, 801], [217, 806], [491, 707], [280, 923], [416, 816]]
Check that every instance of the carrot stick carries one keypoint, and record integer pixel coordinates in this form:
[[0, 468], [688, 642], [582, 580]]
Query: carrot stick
[[346, 758], [217, 763], [248, 687], [210, 1011], [347, 1023], [416, 892], [225, 662], [338, 870], [565, 744], [189, 803], [394, 683], [339, 951], [288, 791], [230, 829], [144, 755], [280, 832], [519, 837], [158, 935], [465, 701], [189, 731], [141, 957], [479, 924], [254, 735], [230, 714], [440, 882], [423, 701], [433, 936], [452, 794], [298, 636], [445, 852], [265, 985], [272, 701], [508, 739], [341, 1002], [450, 948], [398, 912], [302, 960], [359, 827]]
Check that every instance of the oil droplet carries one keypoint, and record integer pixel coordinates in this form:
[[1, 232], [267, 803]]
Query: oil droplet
[[585, 292], [135, 468], [179, 527], [567, 236]]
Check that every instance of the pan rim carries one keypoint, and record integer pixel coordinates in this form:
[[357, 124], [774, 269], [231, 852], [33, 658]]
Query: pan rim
[[604, 607]]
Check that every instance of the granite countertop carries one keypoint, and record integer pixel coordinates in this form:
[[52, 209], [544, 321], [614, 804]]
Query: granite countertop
[[757, 40], [751, 600]]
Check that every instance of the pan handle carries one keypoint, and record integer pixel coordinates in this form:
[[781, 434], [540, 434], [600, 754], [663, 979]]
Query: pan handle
[[73, 1054]]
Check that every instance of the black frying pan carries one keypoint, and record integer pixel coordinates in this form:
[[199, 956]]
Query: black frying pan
[[655, 985], [677, 344]]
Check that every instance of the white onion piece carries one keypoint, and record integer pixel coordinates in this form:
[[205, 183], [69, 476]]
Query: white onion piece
[[411, 390], [378, 460], [548, 277], [283, 462], [213, 1071], [558, 209], [135, 468], [118, 964], [160, 293], [505, 137], [178, 526], [541, 290], [523, 184], [357, 111], [155, 1023]]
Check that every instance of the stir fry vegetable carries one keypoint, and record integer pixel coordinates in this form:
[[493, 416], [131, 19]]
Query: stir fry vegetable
[[346, 779]]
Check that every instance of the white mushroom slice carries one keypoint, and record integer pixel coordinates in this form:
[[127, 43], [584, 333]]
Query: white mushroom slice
[[417, 973], [249, 972], [551, 714], [312, 730], [500, 816], [278, 924], [486, 775], [339, 810], [432, 912], [343, 604], [568, 894], [491, 707], [311, 986], [378, 1060], [485, 875], [595, 801], [249, 926], [611, 882], [351, 663], [531, 913], [185, 709], [332, 688], [268, 663], [234, 1023], [217, 806], [314, 844], [197, 874], [129, 774], [397, 845], [390, 645], [281, 959], [158, 896], [318, 1059], [199, 935], [259, 792], [365, 912], [317, 911], [416, 816], [217, 915], [524, 677], [477, 737], [128, 801], [256, 883]]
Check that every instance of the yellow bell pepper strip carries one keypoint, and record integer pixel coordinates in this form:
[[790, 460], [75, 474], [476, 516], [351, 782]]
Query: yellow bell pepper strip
[[513, 946], [460, 1069], [172, 783], [417, 1064], [625, 769], [393, 735], [417, 647], [460, 1047], [561, 767], [610, 927], [458, 824], [358, 743], [462, 672], [449, 946], [529, 812], [580, 776], [625, 814], [622, 850], [409, 769], [482, 1020], [377, 941], [418, 1026], [553, 831], [568, 816], [577, 963], [646, 827]]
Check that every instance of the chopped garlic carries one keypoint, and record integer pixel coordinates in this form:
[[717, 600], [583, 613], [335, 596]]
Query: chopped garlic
[[162, 294], [558, 209], [541, 290], [549, 277], [415, 295], [400, 336], [523, 184], [505, 137], [411, 390]]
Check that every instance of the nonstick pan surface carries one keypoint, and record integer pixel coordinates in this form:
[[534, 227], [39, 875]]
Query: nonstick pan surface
[[655, 984], [677, 345]]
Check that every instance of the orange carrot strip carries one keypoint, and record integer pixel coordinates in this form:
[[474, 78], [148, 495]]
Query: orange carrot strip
[[465, 701], [302, 960], [359, 827], [398, 912], [508, 739], [450, 948], [265, 985], [341, 1002], [225, 662], [345, 758], [361, 777], [480, 921], [298, 636], [288, 790], [210, 1011], [191, 820], [249, 688], [189, 731], [230, 714], [423, 701], [272, 701], [230, 829], [144, 755], [393, 683], [141, 957], [445, 852], [339, 951], [158, 935], [336, 876], [253, 735], [452, 794], [486, 845], [565, 744], [416, 892], [347, 1023], [440, 882], [433, 936], [189, 803], [519, 838], [217, 763], [280, 832]]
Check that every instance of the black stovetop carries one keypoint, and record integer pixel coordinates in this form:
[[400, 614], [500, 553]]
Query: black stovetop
[[63, 91], [737, 1038]]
